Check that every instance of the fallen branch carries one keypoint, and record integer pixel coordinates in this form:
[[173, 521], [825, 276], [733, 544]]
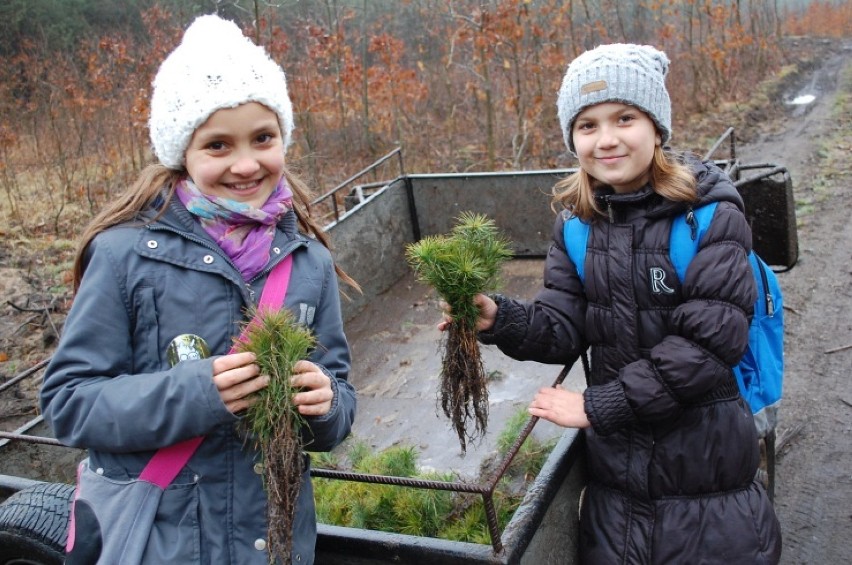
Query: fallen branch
[[23, 308], [787, 435], [836, 349], [27, 322]]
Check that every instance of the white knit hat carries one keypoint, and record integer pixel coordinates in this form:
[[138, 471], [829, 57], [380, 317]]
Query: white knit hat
[[627, 73], [214, 67]]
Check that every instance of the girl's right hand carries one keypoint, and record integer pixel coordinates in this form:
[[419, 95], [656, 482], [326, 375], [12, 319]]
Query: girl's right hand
[[487, 313], [237, 378]]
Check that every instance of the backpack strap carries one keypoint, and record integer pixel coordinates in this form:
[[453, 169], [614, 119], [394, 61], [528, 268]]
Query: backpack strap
[[576, 234], [165, 465], [686, 233]]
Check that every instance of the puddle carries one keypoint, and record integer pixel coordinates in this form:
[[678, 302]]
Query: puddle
[[804, 99]]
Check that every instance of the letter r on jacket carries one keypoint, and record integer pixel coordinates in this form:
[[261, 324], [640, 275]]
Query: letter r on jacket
[[658, 285]]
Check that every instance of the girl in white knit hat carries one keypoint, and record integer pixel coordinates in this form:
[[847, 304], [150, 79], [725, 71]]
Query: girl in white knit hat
[[187, 250], [672, 449]]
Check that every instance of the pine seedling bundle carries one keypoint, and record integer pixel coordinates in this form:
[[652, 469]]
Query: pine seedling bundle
[[459, 266], [279, 342]]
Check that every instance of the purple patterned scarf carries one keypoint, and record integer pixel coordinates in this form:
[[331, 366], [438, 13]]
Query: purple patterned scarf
[[243, 232]]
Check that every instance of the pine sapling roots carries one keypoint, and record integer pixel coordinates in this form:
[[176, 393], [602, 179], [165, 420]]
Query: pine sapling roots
[[464, 386]]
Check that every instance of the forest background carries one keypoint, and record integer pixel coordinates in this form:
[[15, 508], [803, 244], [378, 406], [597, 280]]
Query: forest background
[[459, 85]]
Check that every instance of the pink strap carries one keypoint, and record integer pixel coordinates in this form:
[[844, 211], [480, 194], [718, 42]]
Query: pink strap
[[164, 466], [276, 285]]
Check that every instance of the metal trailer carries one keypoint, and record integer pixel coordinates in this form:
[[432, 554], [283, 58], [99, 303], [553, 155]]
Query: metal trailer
[[371, 223]]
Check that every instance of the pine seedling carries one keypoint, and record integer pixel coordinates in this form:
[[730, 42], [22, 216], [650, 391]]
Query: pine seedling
[[278, 342], [459, 266]]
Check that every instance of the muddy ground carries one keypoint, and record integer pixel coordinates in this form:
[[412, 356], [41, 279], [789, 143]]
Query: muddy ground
[[814, 470]]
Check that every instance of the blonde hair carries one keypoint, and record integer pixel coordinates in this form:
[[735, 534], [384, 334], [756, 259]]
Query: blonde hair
[[156, 180], [670, 178]]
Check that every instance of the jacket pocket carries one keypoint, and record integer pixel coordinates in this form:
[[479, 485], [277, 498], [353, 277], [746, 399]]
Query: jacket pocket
[[176, 536], [146, 334]]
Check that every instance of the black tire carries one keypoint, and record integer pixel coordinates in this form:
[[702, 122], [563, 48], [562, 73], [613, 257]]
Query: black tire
[[34, 525]]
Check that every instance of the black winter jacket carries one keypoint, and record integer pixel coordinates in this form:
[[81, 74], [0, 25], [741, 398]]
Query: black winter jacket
[[672, 451]]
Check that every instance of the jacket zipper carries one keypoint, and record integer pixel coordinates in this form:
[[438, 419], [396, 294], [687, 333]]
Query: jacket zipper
[[692, 223], [767, 295]]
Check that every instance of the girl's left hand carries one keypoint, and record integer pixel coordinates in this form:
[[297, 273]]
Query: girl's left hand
[[563, 407], [316, 397]]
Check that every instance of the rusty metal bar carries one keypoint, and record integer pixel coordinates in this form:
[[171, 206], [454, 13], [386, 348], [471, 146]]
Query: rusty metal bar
[[491, 519], [774, 171], [728, 132], [15, 380], [397, 481], [525, 432], [31, 439]]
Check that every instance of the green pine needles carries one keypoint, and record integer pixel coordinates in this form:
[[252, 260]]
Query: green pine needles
[[459, 266], [279, 342]]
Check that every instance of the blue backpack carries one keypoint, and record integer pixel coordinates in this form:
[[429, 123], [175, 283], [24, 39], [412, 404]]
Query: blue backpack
[[760, 372]]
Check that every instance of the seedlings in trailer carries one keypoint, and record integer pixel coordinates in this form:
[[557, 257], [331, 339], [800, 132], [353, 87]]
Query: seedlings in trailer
[[274, 422], [459, 266]]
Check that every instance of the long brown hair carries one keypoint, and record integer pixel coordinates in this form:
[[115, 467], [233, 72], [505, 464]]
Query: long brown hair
[[156, 179], [669, 178]]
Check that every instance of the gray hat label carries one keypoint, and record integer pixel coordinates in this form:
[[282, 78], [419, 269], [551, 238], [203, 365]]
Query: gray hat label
[[595, 86]]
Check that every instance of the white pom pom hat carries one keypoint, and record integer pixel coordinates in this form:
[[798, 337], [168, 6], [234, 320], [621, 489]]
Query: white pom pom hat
[[214, 67], [619, 72]]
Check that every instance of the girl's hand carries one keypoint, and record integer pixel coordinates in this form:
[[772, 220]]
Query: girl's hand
[[560, 406], [487, 313], [237, 378], [316, 397]]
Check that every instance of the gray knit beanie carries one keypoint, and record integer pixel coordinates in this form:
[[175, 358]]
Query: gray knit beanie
[[214, 67], [627, 73]]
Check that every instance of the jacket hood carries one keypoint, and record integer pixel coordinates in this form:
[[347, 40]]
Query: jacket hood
[[713, 185]]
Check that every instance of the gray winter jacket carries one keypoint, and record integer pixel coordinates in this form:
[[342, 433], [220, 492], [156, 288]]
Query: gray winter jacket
[[109, 387], [672, 451]]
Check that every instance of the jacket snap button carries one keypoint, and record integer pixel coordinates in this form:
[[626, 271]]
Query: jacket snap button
[[152, 244], [258, 468], [260, 544], [99, 470], [208, 259], [276, 250]]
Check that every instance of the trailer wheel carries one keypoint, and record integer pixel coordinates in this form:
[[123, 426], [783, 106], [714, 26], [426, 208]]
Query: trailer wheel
[[34, 525]]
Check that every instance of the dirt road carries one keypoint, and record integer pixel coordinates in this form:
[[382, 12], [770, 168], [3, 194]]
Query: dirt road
[[814, 472]]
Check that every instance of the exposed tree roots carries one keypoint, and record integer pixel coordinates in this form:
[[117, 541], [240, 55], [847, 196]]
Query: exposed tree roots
[[284, 465], [464, 387]]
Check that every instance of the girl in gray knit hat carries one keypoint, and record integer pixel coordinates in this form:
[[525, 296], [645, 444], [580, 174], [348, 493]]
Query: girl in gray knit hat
[[187, 250], [672, 446]]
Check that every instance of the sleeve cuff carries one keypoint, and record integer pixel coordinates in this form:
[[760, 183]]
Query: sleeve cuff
[[509, 325], [607, 407]]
